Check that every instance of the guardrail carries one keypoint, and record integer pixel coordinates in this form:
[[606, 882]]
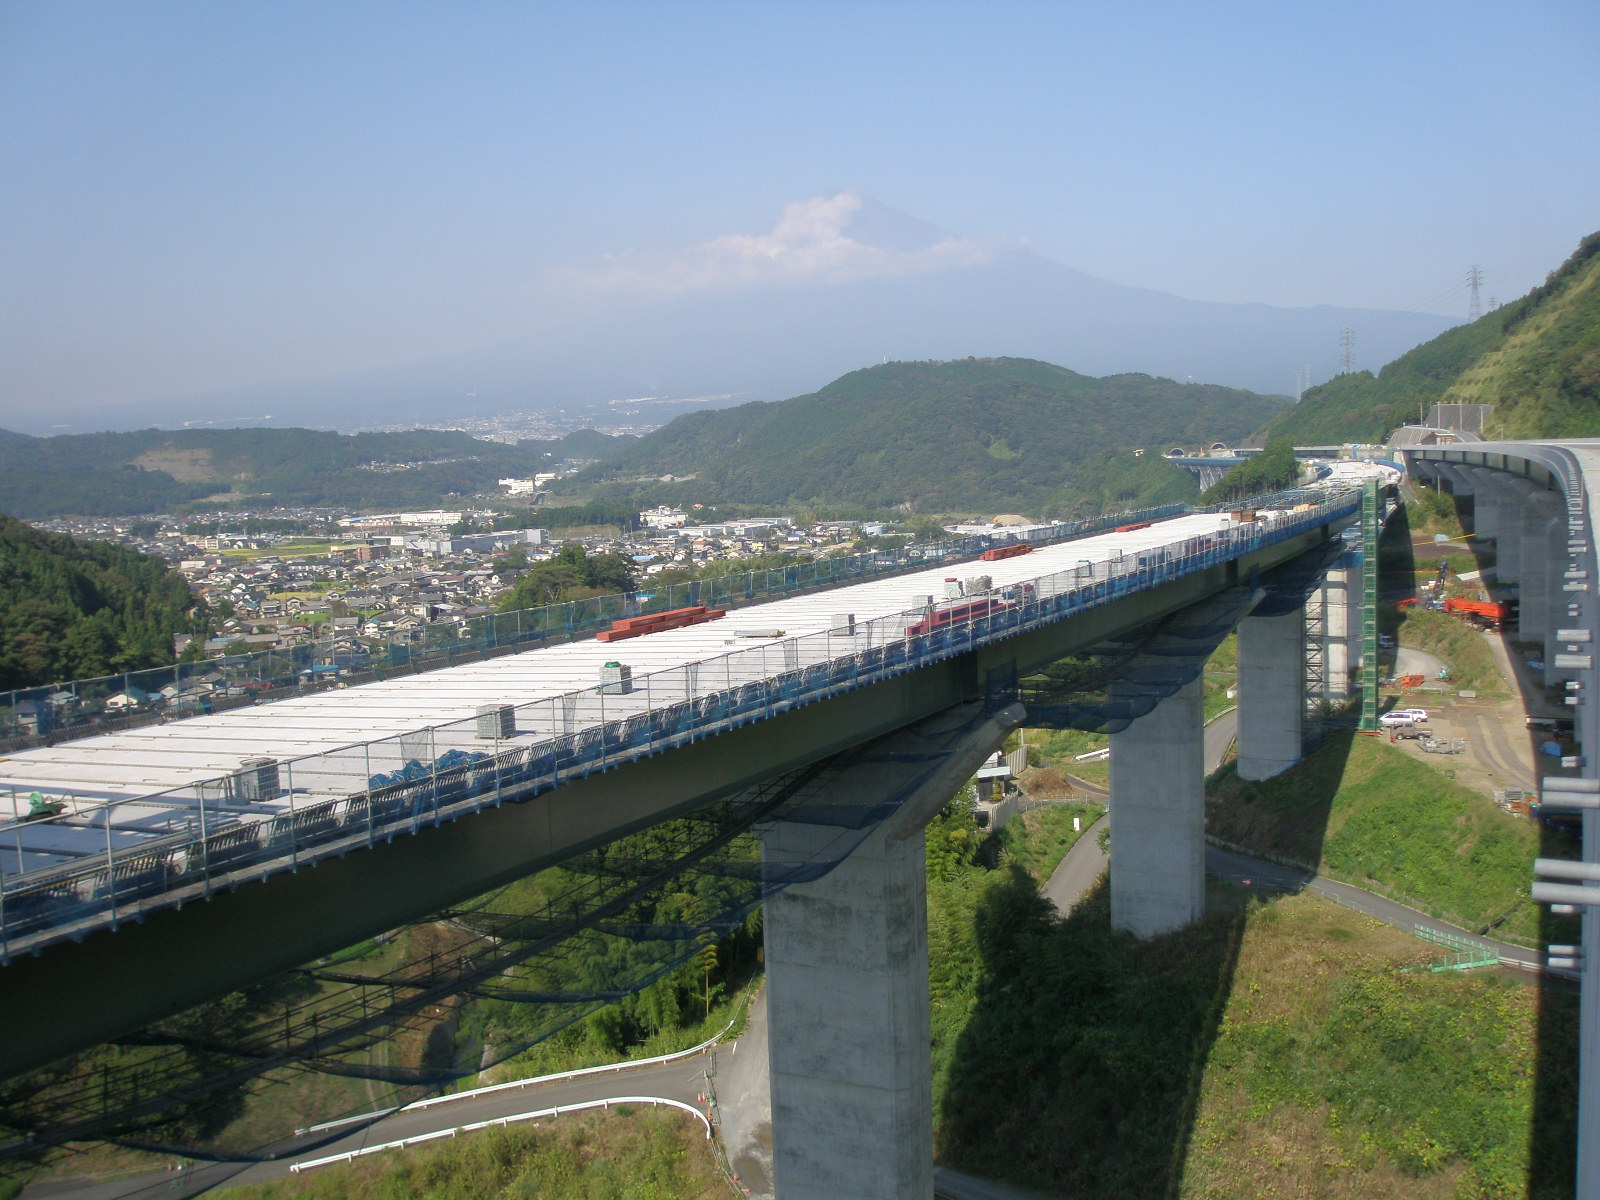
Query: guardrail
[[401, 1143], [212, 835], [29, 716]]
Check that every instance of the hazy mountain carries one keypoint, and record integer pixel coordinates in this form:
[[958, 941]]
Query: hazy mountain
[[839, 282], [153, 470]]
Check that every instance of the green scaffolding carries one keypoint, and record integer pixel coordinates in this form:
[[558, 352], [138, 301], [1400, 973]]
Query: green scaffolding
[[1371, 526]]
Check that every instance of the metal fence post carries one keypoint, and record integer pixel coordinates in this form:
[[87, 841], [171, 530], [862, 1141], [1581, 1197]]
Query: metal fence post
[[111, 871], [294, 832]]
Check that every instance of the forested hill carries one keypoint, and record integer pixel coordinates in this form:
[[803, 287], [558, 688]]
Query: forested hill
[[120, 474], [72, 610], [1537, 360], [974, 434]]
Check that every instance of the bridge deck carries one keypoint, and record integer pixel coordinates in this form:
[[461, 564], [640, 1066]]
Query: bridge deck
[[158, 813]]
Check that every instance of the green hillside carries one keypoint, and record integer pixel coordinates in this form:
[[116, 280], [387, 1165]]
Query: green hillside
[[152, 470], [973, 434], [74, 610], [1537, 360]]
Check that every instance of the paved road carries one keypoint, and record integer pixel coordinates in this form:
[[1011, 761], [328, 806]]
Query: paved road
[[1220, 733], [1077, 872], [1239, 867], [744, 1102]]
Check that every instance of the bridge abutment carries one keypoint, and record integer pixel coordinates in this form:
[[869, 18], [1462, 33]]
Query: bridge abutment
[[1272, 687], [1158, 843]]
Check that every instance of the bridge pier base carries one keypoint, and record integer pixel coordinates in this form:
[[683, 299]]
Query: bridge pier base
[[847, 981], [1158, 817], [1272, 685]]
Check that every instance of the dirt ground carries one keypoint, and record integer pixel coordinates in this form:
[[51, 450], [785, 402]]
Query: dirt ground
[[1501, 752]]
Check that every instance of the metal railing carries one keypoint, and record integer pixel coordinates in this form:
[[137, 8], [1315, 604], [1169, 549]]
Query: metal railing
[[29, 716], [215, 833]]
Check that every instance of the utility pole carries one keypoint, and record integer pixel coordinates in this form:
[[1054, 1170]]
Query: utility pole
[[1347, 343], [1474, 279]]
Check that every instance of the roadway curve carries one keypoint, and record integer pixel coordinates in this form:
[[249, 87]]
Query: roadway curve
[[1081, 867], [684, 1080]]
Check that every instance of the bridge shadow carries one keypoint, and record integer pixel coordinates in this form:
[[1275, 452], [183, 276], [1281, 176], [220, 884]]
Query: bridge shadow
[[1553, 1138], [1283, 819], [1079, 1071], [1553, 1129]]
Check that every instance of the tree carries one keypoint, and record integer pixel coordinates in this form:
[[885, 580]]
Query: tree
[[572, 574], [1273, 470]]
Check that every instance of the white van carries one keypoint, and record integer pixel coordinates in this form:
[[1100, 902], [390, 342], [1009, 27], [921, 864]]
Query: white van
[[1398, 718]]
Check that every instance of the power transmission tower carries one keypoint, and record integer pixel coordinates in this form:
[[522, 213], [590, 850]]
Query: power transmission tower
[[1474, 278], [1302, 382], [1347, 342]]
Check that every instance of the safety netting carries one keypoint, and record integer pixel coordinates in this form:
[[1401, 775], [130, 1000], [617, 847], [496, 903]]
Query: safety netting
[[417, 1010]]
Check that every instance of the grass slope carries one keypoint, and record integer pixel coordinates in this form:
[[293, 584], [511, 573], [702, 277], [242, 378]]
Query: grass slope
[[1272, 1049], [1366, 812], [625, 1154], [1336, 1073], [1537, 360]]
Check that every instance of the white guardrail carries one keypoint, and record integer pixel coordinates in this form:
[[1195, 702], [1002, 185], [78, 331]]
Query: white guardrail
[[534, 1081], [402, 1143]]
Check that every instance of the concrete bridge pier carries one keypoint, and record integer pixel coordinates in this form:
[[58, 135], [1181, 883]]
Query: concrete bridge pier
[[1482, 514], [1272, 689], [1507, 523], [1158, 817], [1540, 535], [847, 975]]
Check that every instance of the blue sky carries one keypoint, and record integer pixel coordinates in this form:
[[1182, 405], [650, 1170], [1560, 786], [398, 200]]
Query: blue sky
[[201, 195]]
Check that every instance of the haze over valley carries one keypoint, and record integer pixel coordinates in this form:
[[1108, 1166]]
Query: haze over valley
[[839, 282]]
